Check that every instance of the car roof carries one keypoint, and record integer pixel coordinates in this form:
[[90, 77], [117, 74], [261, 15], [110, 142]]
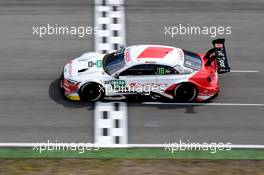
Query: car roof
[[153, 54]]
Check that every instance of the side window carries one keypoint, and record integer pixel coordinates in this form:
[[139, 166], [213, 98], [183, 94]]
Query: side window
[[165, 70], [145, 69]]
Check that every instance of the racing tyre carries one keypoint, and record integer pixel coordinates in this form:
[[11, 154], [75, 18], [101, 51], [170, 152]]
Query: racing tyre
[[185, 92], [92, 92]]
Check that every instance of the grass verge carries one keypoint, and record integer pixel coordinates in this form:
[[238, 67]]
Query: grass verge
[[160, 153]]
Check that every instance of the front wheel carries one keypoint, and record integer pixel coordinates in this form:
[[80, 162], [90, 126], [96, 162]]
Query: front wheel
[[91, 92], [185, 92]]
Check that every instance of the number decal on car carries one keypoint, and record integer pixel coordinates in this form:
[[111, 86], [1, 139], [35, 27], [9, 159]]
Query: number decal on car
[[97, 63], [160, 71]]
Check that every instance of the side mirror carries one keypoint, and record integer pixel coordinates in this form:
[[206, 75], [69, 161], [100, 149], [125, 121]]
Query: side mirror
[[116, 76], [187, 71]]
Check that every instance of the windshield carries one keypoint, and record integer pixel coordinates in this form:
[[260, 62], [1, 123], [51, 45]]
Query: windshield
[[192, 60], [114, 61]]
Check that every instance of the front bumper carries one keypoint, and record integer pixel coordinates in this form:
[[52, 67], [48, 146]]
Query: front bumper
[[73, 96], [68, 93]]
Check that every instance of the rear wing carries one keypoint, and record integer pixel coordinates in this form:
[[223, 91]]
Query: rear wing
[[218, 53]]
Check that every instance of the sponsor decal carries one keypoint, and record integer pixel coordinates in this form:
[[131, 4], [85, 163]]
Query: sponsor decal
[[117, 82], [181, 54], [97, 63], [119, 85], [127, 56]]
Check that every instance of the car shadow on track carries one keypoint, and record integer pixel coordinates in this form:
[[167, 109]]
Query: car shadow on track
[[57, 95]]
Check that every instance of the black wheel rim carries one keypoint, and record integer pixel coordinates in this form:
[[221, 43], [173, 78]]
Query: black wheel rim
[[91, 92], [185, 93]]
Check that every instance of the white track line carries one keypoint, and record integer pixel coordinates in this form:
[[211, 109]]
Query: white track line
[[244, 71], [205, 104], [32, 145], [246, 146]]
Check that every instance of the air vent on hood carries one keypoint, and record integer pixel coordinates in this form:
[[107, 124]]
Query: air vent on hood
[[82, 70]]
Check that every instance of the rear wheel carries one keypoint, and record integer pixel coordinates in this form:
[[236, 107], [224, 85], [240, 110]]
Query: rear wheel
[[185, 92], [91, 92]]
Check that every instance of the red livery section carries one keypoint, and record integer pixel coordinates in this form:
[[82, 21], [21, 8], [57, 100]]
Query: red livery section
[[206, 79], [155, 52], [70, 87]]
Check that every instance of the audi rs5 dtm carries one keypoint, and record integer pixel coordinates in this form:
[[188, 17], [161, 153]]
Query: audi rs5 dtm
[[152, 70]]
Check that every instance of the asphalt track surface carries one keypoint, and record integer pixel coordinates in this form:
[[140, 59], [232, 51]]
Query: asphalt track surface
[[33, 110]]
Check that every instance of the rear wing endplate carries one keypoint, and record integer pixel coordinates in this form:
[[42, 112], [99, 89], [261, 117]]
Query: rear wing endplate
[[218, 53]]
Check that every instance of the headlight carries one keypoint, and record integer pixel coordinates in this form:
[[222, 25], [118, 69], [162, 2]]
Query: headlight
[[73, 82]]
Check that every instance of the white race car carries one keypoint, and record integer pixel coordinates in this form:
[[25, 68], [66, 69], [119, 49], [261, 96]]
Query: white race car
[[153, 70]]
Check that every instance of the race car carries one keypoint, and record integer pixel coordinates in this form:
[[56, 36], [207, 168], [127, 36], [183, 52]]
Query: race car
[[146, 70]]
